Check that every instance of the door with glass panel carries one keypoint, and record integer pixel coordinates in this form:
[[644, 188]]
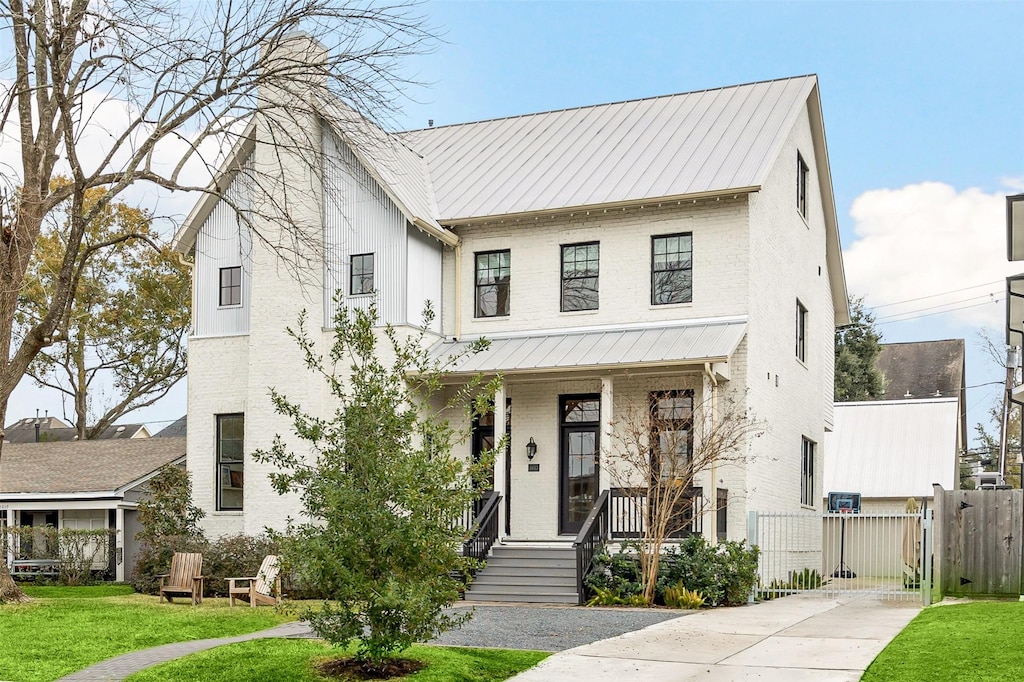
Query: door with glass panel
[[580, 418]]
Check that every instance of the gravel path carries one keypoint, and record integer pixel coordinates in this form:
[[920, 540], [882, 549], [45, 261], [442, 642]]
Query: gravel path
[[549, 628]]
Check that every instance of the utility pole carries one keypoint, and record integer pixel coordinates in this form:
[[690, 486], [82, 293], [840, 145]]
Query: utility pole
[[1004, 436]]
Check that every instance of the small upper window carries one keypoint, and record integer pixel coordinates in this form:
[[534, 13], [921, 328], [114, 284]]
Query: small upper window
[[231, 286], [580, 269], [672, 269], [361, 274], [801, 331], [493, 275], [801, 185]]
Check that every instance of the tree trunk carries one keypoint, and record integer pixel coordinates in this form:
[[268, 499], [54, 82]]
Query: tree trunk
[[10, 593]]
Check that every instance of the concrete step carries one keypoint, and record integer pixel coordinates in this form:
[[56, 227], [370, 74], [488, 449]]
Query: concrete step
[[534, 588], [531, 563], [529, 571], [504, 551], [486, 578]]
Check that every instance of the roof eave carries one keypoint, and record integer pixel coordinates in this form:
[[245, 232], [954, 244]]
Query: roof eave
[[608, 206], [185, 237], [696, 363]]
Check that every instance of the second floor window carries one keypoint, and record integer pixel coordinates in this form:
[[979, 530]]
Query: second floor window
[[801, 331], [672, 269], [361, 275], [231, 286], [580, 266], [493, 277]]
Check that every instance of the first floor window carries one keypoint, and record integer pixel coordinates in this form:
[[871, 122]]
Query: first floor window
[[672, 269], [807, 472], [671, 435], [361, 274], [230, 460], [493, 277], [801, 331], [231, 286], [580, 270]]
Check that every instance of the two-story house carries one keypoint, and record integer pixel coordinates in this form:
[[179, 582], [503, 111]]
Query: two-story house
[[666, 249]]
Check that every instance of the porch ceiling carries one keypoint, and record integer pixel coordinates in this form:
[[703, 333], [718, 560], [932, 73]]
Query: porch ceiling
[[690, 343]]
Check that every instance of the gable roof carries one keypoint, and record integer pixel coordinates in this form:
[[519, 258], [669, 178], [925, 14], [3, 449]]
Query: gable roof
[[24, 432], [922, 369], [177, 428], [84, 466], [685, 145], [892, 448]]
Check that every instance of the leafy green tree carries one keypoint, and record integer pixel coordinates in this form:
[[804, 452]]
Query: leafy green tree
[[380, 491], [168, 510], [857, 347], [119, 344]]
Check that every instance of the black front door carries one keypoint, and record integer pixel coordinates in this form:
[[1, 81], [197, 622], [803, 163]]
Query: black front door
[[580, 445]]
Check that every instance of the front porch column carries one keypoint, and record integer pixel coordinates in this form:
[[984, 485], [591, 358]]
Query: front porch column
[[607, 417], [10, 544], [119, 545], [709, 400], [500, 457]]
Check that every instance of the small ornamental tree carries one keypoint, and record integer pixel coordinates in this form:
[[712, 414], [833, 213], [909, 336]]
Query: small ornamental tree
[[381, 493], [658, 451]]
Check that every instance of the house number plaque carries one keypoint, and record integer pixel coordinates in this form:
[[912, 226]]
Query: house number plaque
[[534, 467]]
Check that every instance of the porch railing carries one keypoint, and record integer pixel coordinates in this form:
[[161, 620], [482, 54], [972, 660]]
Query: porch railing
[[591, 539], [629, 511], [484, 530]]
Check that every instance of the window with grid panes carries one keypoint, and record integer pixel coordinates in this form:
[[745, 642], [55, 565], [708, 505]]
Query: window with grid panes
[[493, 279], [230, 461], [231, 286], [580, 269], [361, 274], [672, 269]]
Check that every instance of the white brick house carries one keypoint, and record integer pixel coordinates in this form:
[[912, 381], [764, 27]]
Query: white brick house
[[685, 243]]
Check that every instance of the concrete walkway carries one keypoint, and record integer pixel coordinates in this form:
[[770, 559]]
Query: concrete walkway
[[802, 638]]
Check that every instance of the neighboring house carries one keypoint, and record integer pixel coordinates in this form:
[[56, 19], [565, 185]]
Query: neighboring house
[[678, 246], [891, 450], [84, 485], [51, 430], [176, 429], [1015, 293]]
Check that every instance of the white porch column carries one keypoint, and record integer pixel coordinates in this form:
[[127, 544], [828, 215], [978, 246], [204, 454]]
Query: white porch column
[[10, 545], [119, 545], [500, 480], [607, 417]]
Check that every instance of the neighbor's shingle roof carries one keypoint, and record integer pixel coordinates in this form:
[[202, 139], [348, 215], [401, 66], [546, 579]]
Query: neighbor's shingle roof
[[924, 369], [84, 466], [672, 146]]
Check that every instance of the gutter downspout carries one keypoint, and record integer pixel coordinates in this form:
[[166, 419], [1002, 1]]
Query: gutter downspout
[[713, 493], [457, 327]]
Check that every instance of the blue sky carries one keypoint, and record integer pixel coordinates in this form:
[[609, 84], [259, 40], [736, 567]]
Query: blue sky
[[922, 106]]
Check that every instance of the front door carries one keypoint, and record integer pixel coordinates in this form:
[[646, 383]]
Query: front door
[[580, 444]]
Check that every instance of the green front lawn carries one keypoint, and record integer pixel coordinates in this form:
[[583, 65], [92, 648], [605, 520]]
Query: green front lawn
[[291, 660], [67, 629], [961, 643]]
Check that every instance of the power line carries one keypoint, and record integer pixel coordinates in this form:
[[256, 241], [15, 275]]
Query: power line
[[942, 293], [990, 299], [941, 312]]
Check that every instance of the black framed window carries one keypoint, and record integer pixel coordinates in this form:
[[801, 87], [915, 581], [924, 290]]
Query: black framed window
[[807, 472], [231, 286], [801, 185], [230, 460], [493, 278], [360, 274], [801, 331], [672, 268], [580, 270], [671, 434]]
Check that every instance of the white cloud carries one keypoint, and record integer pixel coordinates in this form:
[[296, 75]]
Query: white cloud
[[934, 247]]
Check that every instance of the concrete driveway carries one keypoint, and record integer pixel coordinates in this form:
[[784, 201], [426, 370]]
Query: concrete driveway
[[801, 638]]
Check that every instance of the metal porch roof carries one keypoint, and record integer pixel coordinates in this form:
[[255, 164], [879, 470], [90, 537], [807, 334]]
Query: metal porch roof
[[652, 346]]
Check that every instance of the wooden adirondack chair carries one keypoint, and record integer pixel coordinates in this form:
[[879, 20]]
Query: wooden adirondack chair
[[264, 588], [185, 578]]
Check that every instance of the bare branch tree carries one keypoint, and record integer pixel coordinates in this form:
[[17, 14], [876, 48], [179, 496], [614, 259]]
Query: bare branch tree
[[659, 450], [116, 94]]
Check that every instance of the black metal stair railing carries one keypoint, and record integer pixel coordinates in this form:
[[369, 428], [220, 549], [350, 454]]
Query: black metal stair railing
[[483, 533], [591, 540]]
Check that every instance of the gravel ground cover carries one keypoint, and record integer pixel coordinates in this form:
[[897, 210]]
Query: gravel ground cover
[[549, 628]]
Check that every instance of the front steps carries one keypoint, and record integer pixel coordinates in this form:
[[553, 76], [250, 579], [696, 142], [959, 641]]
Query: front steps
[[541, 574]]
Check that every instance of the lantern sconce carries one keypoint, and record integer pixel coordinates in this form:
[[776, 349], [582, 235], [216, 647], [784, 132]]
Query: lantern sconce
[[531, 449]]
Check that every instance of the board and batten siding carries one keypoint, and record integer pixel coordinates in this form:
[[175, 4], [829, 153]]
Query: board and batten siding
[[424, 278], [360, 218], [223, 241]]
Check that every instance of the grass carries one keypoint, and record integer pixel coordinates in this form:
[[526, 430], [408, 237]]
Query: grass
[[289, 660], [67, 629], [961, 643]]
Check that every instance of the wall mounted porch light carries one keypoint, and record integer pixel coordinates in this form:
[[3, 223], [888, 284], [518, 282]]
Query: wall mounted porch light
[[531, 449]]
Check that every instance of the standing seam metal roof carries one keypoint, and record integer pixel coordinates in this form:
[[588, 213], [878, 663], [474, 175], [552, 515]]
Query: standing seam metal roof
[[670, 146]]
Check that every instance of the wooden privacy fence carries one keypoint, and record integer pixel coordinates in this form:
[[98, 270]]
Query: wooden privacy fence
[[978, 542]]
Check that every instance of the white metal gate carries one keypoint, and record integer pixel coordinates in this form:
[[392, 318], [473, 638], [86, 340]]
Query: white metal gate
[[883, 554]]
